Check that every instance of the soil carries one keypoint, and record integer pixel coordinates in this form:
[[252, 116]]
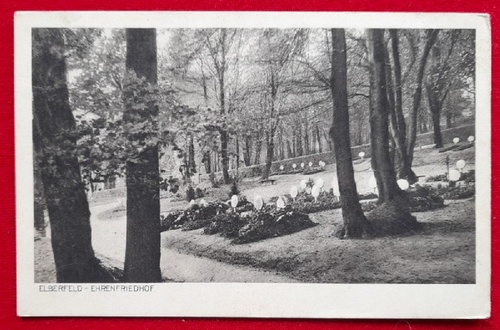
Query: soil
[[443, 252]]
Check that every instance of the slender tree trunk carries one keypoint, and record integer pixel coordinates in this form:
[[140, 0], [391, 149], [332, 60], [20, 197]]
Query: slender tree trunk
[[207, 162], [355, 223], [142, 254], [307, 149], [318, 138], [300, 150], [56, 157], [222, 96], [192, 162], [430, 39], [237, 155], [449, 122], [258, 150], [247, 152], [289, 149], [269, 155], [398, 124], [379, 115]]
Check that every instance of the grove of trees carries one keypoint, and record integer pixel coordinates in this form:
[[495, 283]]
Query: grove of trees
[[137, 103]]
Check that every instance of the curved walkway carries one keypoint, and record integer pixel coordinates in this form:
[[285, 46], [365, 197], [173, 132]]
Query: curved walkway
[[109, 238]]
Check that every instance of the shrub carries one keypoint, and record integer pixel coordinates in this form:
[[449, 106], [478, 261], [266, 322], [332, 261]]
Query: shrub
[[367, 196], [267, 225], [459, 192], [199, 193], [305, 203], [313, 170], [227, 224], [190, 193], [424, 198]]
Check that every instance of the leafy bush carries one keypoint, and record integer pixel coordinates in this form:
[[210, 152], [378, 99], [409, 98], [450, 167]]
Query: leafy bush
[[421, 199], [458, 192], [227, 224], [469, 176], [424, 198], [190, 193]]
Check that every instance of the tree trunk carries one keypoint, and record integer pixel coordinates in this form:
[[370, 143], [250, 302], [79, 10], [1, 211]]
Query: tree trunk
[[55, 146], [207, 162], [222, 96], [379, 115], [258, 150], [269, 155], [307, 149], [300, 150], [237, 155], [247, 152], [398, 124], [192, 162], [289, 149], [435, 109], [449, 122], [354, 221], [39, 205], [412, 138], [142, 254], [318, 138]]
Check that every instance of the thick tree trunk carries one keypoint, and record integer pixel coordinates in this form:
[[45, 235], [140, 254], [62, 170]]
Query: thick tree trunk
[[55, 146], [142, 254], [39, 204], [355, 223], [431, 37]]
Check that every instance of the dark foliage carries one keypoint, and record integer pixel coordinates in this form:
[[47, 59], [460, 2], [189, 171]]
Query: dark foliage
[[190, 193], [267, 225], [313, 170], [199, 193]]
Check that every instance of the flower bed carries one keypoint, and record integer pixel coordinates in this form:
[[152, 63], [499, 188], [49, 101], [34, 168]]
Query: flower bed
[[313, 170]]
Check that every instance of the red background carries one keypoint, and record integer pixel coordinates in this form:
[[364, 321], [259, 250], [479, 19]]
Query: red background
[[8, 318]]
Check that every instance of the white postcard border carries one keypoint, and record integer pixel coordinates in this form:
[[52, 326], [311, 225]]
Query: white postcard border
[[251, 299]]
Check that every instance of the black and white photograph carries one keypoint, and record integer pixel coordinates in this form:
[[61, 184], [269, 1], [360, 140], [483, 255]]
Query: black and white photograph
[[332, 155]]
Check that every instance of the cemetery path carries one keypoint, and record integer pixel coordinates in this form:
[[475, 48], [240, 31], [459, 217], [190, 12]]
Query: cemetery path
[[109, 238]]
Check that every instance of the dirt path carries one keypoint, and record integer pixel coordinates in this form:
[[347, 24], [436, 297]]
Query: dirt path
[[109, 238]]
